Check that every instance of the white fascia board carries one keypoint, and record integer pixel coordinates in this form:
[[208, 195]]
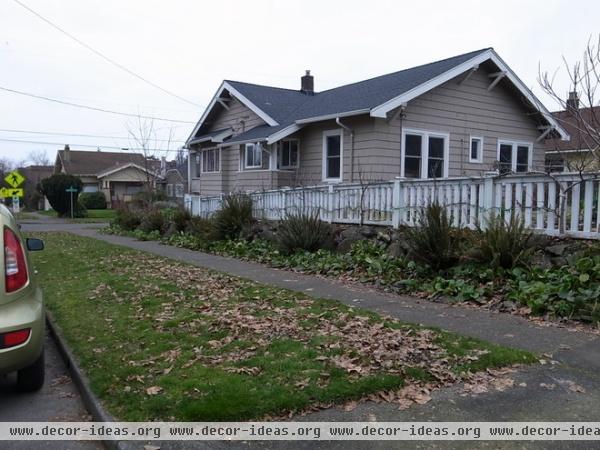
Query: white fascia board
[[216, 138], [283, 133], [226, 86], [123, 167], [384, 108], [356, 112], [243, 141]]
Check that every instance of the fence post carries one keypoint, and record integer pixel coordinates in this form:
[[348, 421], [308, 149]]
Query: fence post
[[488, 195], [330, 204], [396, 203]]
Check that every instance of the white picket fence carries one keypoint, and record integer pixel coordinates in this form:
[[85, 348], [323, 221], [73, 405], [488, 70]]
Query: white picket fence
[[542, 200]]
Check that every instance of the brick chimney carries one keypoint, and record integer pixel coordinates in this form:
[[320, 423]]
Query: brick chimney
[[67, 154], [307, 85], [573, 101]]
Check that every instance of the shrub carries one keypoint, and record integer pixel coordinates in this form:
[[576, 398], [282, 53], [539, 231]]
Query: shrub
[[93, 200], [153, 220], [233, 217], [303, 232], [200, 227], [55, 189], [180, 218], [504, 243], [127, 219], [79, 211], [433, 241]]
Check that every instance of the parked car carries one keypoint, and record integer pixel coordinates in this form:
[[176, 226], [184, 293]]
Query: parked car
[[22, 325]]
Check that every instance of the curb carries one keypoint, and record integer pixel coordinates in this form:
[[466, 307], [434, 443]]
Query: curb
[[90, 401]]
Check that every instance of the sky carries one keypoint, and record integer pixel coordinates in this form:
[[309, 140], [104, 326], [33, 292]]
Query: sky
[[188, 47]]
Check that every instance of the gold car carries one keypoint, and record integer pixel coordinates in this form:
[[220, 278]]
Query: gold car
[[22, 325]]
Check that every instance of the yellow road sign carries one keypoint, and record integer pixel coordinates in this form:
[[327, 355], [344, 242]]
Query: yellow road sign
[[14, 179], [8, 192]]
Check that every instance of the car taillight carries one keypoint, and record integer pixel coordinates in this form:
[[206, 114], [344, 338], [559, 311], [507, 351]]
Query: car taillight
[[14, 338], [15, 269]]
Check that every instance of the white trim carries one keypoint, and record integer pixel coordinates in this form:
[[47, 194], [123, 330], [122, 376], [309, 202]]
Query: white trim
[[254, 145], [124, 166], [335, 132], [425, 134], [514, 145], [283, 133], [356, 112], [228, 87], [479, 158], [297, 154], [557, 152], [384, 108], [217, 138]]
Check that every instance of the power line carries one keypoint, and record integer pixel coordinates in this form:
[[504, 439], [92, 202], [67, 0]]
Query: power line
[[77, 105], [50, 133], [125, 149], [104, 57]]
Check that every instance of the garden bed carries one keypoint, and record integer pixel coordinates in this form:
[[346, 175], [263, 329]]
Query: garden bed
[[163, 340]]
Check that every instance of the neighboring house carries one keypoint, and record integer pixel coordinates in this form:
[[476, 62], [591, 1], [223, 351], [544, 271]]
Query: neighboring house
[[174, 180], [119, 175], [460, 116], [582, 151], [33, 175]]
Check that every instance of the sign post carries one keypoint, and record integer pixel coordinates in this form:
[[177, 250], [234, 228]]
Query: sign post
[[14, 179], [71, 190]]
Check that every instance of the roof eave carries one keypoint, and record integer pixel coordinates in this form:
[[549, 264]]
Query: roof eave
[[383, 109]]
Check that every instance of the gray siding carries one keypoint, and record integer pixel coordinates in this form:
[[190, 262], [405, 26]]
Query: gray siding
[[238, 116]]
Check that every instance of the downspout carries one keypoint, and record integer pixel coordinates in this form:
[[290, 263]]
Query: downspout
[[351, 131]]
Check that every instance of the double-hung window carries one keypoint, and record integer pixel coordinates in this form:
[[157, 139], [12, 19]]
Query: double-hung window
[[210, 160], [514, 156], [253, 156], [332, 155], [424, 154], [288, 154]]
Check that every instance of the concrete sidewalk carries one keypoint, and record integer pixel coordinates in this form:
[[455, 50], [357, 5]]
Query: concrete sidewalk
[[577, 354]]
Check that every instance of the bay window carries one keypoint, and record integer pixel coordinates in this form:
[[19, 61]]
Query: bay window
[[424, 154], [253, 156], [288, 154], [211, 160]]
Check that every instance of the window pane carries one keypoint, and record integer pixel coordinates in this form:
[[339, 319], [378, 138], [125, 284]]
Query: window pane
[[412, 145], [333, 167], [475, 148], [333, 145], [249, 155], [285, 156], [522, 158], [412, 167], [436, 147], [436, 168], [505, 165], [294, 155]]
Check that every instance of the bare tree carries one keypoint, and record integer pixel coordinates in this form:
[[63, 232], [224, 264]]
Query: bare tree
[[38, 158]]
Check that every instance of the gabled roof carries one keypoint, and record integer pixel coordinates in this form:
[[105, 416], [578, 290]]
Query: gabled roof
[[119, 167], [574, 123], [92, 162], [281, 108]]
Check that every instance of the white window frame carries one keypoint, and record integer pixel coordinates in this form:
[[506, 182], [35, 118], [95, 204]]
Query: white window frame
[[179, 189], [217, 152], [513, 154], [254, 146], [280, 151], [425, 135], [327, 133], [479, 158]]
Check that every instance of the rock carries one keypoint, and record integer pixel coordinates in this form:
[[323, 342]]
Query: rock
[[556, 250], [368, 231], [559, 261], [346, 245], [351, 233], [508, 305], [384, 237], [542, 260]]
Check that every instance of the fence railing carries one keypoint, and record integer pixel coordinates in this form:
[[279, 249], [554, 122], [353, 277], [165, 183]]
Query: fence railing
[[556, 204]]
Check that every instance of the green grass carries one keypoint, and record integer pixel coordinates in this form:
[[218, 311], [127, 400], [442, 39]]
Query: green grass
[[93, 215], [224, 348]]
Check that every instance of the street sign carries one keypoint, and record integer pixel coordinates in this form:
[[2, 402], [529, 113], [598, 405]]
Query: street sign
[[16, 205], [14, 179], [72, 189], [7, 192]]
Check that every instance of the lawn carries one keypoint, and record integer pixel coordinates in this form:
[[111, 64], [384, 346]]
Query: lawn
[[93, 215], [162, 340]]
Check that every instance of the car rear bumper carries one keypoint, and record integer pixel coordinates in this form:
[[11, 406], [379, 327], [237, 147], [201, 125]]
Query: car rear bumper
[[25, 312]]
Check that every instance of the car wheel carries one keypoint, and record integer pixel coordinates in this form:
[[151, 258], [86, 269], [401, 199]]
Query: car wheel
[[31, 378]]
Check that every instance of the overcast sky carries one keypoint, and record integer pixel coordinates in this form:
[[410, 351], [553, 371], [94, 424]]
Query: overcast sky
[[189, 47]]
